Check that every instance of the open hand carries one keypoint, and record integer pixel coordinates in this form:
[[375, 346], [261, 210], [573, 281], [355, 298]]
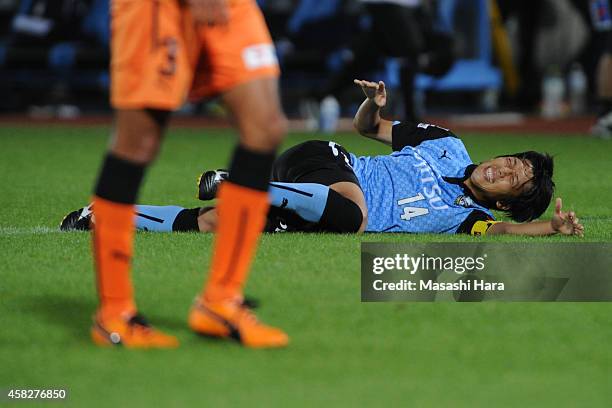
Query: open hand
[[209, 12], [375, 91], [566, 223]]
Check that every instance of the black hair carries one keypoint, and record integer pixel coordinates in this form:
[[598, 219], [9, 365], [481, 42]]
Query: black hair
[[532, 203]]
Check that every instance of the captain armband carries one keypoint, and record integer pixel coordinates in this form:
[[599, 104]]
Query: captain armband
[[481, 227]]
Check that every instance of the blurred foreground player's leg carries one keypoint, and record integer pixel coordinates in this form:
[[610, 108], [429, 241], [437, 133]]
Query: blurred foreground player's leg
[[151, 71], [243, 67], [116, 321]]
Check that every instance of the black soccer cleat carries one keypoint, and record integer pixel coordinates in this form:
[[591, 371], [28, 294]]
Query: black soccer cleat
[[77, 220], [208, 183]]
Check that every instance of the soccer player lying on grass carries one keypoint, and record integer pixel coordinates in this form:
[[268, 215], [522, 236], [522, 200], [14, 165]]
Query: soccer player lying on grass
[[427, 185]]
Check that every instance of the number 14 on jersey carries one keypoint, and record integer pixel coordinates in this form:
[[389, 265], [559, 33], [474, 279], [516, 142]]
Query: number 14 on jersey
[[412, 212]]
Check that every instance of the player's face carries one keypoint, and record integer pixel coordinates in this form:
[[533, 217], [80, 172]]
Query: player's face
[[502, 177]]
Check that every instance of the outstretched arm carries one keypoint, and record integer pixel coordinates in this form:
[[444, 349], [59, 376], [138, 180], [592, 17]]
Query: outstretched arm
[[367, 120], [565, 223]]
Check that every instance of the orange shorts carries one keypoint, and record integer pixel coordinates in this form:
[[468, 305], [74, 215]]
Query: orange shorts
[[159, 57]]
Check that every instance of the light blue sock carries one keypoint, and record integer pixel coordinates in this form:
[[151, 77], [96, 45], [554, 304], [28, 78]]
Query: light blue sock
[[156, 218], [306, 199]]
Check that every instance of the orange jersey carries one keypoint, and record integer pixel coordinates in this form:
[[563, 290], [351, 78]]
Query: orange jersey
[[160, 56]]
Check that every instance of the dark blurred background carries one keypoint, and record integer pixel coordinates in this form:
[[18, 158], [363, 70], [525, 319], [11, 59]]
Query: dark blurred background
[[443, 56]]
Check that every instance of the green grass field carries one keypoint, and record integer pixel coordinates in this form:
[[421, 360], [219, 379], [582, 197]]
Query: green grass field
[[343, 352]]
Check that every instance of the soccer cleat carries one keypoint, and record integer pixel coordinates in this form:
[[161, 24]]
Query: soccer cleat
[[208, 183], [603, 127], [134, 332], [234, 319], [78, 220]]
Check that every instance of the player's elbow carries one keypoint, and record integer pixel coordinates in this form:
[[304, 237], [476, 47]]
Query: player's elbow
[[356, 124], [364, 129]]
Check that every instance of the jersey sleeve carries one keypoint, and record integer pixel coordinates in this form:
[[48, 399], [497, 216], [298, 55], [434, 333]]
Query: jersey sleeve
[[413, 134], [477, 223]]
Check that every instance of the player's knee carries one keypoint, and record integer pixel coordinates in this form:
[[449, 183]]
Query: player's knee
[[353, 219], [142, 148], [364, 220], [149, 147], [348, 197], [276, 128], [341, 214], [138, 136], [265, 132]]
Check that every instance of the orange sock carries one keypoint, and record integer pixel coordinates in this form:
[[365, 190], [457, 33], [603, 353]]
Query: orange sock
[[113, 236], [242, 216]]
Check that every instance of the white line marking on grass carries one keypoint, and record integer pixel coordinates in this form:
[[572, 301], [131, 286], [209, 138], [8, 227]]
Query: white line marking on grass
[[28, 231]]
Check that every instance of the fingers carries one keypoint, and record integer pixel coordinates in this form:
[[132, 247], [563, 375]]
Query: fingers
[[566, 223], [577, 228], [558, 204], [369, 84], [571, 216], [360, 82]]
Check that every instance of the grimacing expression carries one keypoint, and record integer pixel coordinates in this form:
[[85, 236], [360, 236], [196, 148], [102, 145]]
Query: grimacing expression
[[503, 177]]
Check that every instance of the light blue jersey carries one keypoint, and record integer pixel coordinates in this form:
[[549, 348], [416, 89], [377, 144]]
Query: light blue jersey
[[405, 191]]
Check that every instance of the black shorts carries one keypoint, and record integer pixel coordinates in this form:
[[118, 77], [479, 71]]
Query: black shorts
[[314, 161]]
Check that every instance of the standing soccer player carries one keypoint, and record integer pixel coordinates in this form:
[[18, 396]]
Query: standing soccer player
[[162, 51]]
